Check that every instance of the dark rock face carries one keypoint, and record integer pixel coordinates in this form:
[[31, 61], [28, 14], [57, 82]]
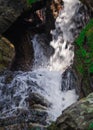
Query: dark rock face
[[24, 52], [10, 11], [26, 23], [89, 3], [52, 10], [25, 116], [69, 80], [35, 100]]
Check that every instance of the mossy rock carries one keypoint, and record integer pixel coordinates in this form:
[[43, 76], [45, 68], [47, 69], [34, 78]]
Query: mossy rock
[[79, 116], [7, 53], [53, 126], [84, 57]]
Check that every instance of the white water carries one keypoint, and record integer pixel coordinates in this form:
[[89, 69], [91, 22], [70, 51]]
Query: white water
[[46, 77], [50, 71], [66, 29]]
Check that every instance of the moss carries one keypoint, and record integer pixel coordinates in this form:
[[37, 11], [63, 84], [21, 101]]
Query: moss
[[53, 127], [84, 51], [84, 57]]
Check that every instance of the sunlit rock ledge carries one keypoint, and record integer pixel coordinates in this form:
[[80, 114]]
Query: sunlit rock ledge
[[7, 53]]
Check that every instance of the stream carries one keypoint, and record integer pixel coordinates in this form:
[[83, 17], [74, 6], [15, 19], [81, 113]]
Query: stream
[[51, 86]]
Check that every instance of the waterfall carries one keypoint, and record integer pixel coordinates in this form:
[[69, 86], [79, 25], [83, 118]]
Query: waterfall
[[68, 25], [47, 77]]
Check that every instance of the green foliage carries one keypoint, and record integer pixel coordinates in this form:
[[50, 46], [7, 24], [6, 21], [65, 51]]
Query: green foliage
[[84, 52], [90, 126], [32, 1], [81, 37]]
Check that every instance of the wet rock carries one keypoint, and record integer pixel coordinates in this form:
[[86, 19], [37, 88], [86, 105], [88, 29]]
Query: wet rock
[[79, 116], [7, 53], [21, 107], [69, 81], [24, 117], [89, 3], [10, 11], [44, 42], [37, 101], [8, 78], [24, 126]]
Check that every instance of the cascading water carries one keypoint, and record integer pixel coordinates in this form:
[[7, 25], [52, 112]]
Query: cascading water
[[46, 79]]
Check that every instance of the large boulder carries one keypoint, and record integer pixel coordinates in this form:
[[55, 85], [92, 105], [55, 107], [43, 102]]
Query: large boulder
[[77, 117]]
